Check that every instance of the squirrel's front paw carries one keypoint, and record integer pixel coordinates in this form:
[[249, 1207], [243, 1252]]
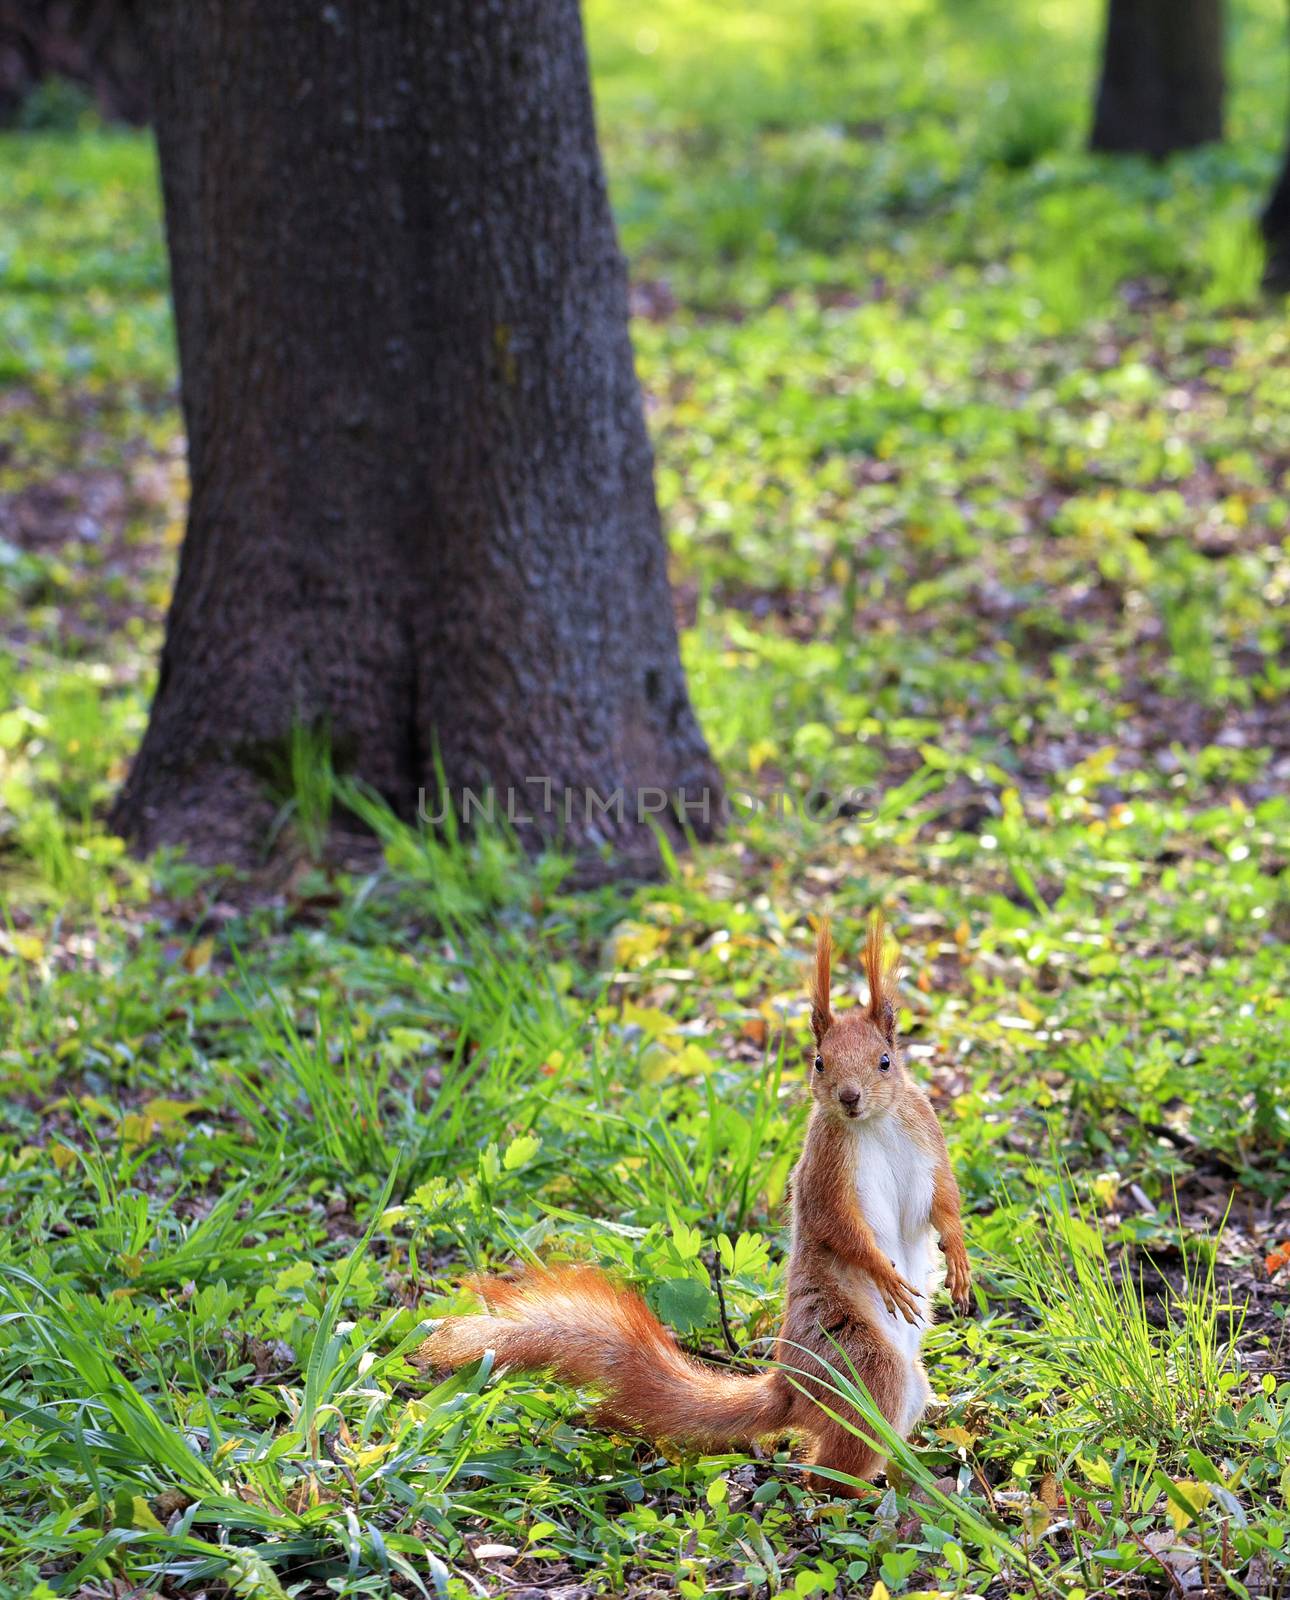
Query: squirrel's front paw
[[900, 1296], [958, 1275]]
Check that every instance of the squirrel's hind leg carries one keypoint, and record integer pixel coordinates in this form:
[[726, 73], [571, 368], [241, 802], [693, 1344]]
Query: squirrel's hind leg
[[887, 1376], [833, 1446]]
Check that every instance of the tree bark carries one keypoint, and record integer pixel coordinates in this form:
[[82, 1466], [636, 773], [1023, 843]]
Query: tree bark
[[1162, 76], [1275, 226], [422, 514]]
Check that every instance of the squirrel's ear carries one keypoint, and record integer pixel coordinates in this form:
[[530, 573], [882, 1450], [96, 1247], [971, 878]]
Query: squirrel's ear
[[821, 1016], [878, 974]]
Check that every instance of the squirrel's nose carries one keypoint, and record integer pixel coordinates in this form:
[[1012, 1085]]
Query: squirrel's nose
[[849, 1097]]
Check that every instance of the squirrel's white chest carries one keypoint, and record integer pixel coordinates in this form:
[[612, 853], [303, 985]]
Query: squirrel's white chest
[[894, 1180]]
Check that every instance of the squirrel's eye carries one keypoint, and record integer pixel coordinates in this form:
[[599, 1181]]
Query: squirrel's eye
[[884, 1063], [819, 1063]]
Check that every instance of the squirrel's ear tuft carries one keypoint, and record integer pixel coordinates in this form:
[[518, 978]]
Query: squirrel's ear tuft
[[878, 971], [821, 1016]]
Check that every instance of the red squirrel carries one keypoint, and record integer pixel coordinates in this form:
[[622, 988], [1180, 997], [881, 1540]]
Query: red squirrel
[[872, 1185]]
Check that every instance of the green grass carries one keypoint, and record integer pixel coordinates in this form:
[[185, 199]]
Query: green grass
[[972, 449]]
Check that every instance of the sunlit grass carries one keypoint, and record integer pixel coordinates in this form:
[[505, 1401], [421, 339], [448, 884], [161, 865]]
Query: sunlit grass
[[1151, 1369], [970, 449]]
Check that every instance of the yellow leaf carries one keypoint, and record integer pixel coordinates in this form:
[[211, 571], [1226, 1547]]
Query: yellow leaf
[[633, 942], [1035, 1518], [197, 957], [1097, 1470], [131, 1265], [144, 1516], [652, 1022], [63, 1156], [656, 1063], [880, 1591], [136, 1130], [659, 1062], [693, 1059], [759, 753], [166, 1111], [1194, 1497], [30, 946], [160, 1115]]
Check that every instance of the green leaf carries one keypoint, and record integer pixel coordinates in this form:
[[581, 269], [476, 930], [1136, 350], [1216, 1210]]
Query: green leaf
[[521, 1150], [686, 1241], [684, 1303], [250, 1576]]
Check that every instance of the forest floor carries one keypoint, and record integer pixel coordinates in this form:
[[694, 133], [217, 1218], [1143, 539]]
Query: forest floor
[[974, 453]]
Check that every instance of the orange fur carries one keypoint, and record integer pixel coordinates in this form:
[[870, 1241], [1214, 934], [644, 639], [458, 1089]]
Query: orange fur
[[577, 1324], [821, 1016], [845, 1292], [878, 974]]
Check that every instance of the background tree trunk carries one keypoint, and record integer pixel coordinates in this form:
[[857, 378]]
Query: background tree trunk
[[1162, 76], [92, 42], [1275, 226], [423, 513]]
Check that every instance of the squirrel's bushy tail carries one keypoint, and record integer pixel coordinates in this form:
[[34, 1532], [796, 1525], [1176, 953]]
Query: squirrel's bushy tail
[[573, 1322]]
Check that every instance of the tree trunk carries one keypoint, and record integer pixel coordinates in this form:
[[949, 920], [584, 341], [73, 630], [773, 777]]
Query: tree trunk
[[92, 42], [1275, 226], [1162, 76], [423, 516]]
